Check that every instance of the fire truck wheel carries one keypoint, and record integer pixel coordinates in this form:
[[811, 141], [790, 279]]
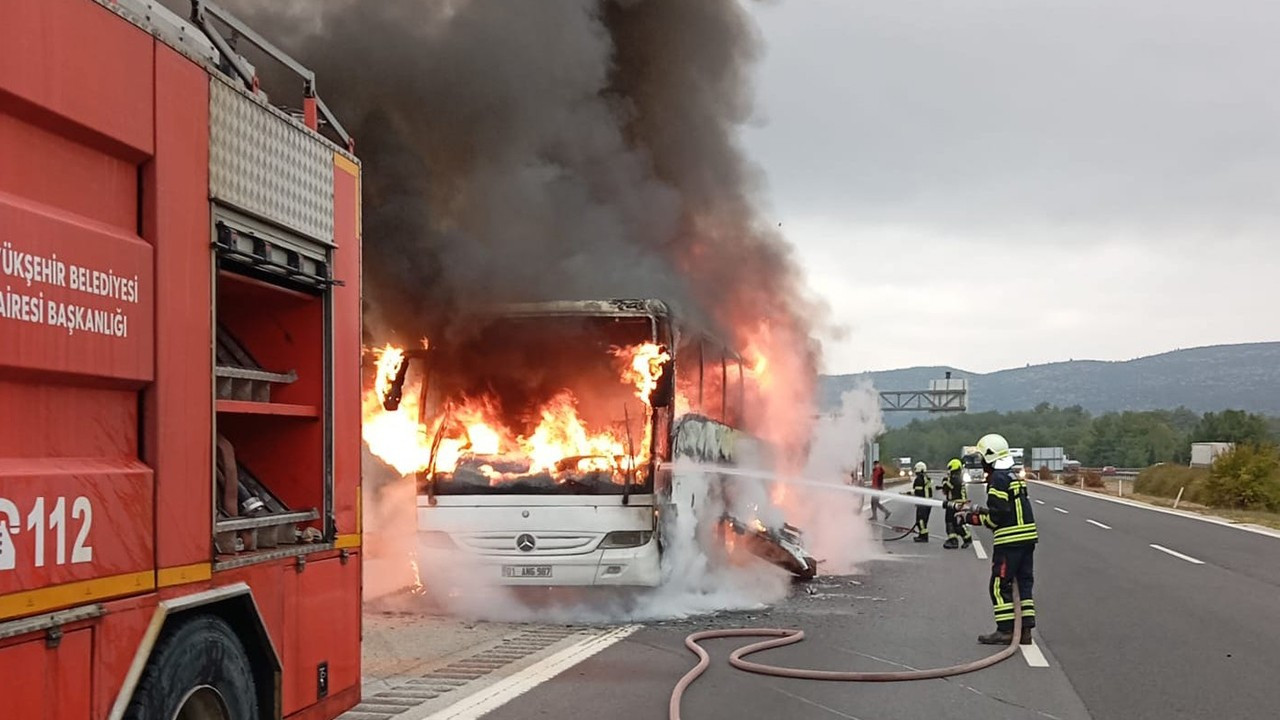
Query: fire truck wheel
[[197, 671]]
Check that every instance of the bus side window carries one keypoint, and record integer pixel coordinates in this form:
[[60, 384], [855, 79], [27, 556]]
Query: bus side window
[[662, 435], [688, 364], [713, 385], [733, 398]]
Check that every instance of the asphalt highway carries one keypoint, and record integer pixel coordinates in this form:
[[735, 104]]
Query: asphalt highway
[[1154, 615], [1142, 614]]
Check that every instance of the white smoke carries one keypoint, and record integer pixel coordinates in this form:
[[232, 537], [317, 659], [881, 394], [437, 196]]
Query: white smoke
[[388, 549], [699, 577], [834, 530]]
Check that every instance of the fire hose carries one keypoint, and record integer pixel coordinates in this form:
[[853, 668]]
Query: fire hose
[[783, 637]]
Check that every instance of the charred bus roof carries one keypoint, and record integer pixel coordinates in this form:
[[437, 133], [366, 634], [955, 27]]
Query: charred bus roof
[[647, 307]]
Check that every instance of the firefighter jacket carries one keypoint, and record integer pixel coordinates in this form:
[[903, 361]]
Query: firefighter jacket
[[921, 487], [1009, 512], [953, 486]]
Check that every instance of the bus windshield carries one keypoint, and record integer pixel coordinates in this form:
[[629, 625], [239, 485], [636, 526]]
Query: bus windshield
[[543, 405]]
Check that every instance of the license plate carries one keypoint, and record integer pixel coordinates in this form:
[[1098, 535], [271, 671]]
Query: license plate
[[526, 571]]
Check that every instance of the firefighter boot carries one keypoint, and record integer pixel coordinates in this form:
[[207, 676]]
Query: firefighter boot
[[951, 543], [922, 538], [1026, 637], [999, 637], [968, 543]]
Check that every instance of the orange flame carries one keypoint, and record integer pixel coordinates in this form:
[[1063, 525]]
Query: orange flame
[[389, 361], [645, 364], [472, 428]]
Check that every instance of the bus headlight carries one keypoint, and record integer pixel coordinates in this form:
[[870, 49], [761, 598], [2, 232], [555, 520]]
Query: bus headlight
[[625, 539]]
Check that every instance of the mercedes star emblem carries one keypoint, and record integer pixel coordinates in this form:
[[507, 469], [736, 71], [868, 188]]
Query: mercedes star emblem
[[526, 543]]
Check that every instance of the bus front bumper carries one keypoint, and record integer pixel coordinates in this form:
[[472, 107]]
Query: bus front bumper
[[635, 567]]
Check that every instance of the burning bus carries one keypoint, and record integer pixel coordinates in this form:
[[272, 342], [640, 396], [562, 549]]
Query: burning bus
[[543, 440]]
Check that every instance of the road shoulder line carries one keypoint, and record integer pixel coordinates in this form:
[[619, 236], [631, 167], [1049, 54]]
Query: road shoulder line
[[1255, 529]]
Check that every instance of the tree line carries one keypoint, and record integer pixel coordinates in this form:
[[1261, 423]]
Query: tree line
[[1122, 439]]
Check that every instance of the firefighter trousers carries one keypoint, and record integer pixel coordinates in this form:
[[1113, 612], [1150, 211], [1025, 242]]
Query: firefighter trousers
[[955, 530], [922, 520], [1010, 564]]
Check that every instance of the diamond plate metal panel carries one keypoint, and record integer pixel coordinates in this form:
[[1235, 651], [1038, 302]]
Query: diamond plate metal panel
[[267, 166]]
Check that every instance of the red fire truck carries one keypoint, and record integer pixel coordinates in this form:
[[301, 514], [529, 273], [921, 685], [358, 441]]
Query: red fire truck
[[179, 373]]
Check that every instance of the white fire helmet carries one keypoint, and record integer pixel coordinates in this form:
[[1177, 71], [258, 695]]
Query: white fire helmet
[[921, 467], [994, 448]]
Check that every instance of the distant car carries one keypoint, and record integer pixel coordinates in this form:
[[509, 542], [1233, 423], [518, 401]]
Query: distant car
[[1109, 470]]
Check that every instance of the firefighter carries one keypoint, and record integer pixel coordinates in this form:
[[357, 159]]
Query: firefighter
[[921, 487], [957, 494], [1009, 515]]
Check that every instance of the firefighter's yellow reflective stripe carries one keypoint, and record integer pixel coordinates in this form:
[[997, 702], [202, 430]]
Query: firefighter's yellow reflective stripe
[[341, 162], [183, 574], [1018, 511], [1015, 539], [347, 541], [1016, 529], [1010, 537], [998, 493], [30, 602]]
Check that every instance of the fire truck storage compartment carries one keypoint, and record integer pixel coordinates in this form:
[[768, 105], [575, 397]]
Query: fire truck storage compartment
[[53, 667], [271, 382], [320, 662]]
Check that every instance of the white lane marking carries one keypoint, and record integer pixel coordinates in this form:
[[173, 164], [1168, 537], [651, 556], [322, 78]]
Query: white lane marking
[[1031, 653], [1255, 529], [1177, 554], [978, 550], [1039, 502], [508, 689], [1064, 512], [1095, 522]]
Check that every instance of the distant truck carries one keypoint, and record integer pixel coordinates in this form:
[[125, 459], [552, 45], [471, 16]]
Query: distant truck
[[1204, 453], [904, 467], [972, 462]]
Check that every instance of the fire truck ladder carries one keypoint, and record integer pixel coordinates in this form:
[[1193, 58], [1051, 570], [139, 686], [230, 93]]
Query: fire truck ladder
[[204, 13]]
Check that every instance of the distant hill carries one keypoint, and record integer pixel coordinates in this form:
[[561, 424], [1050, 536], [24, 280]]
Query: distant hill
[[1219, 377]]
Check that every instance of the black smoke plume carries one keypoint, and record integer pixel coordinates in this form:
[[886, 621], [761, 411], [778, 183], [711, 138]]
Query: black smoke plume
[[519, 150]]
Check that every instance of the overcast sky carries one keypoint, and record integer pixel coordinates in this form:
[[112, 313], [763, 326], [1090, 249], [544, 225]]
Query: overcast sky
[[992, 183]]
